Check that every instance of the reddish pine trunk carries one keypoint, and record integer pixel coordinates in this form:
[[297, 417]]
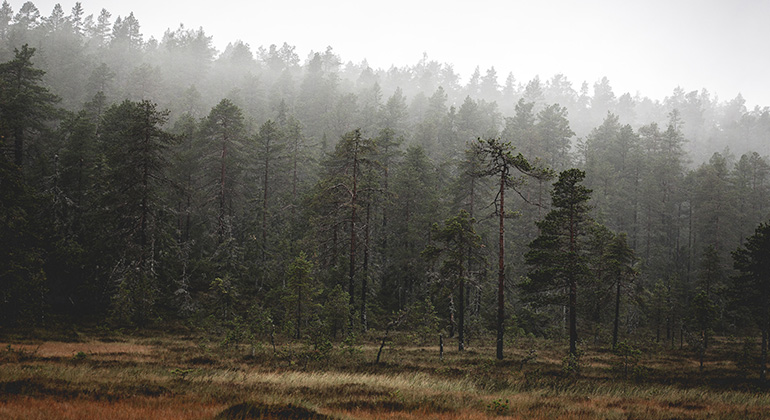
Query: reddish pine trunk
[[364, 279], [354, 196], [501, 270]]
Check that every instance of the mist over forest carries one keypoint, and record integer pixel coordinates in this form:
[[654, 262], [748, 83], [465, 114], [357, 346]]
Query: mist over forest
[[149, 181]]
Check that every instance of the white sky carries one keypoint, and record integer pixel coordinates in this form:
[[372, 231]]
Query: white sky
[[644, 46]]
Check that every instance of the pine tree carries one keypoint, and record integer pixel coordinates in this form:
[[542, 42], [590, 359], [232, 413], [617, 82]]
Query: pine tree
[[455, 244], [22, 279], [136, 152], [413, 209], [500, 161], [620, 258], [302, 292], [751, 287], [557, 257], [225, 127], [338, 198], [25, 104], [270, 149]]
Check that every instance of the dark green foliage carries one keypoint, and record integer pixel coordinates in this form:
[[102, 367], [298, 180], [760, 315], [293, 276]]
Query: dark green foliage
[[22, 279], [703, 314], [25, 104], [222, 155], [422, 321], [620, 261], [628, 359], [751, 287], [270, 152], [135, 150], [456, 246], [413, 208], [338, 202], [608, 290], [335, 310], [557, 256], [302, 294]]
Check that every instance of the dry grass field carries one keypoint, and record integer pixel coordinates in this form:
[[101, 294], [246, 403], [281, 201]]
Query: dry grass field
[[163, 376]]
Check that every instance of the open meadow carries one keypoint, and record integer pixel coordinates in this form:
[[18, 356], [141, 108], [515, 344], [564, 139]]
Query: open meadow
[[181, 376]]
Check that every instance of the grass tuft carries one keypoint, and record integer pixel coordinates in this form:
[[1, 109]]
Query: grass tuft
[[252, 410]]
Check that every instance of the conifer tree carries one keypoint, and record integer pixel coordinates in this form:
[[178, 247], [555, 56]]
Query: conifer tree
[[621, 259], [136, 151], [25, 104], [751, 287], [338, 197], [302, 291], [456, 243], [557, 257], [499, 161], [225, 128]]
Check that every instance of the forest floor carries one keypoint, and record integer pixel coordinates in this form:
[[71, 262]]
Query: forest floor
[[161, 375]]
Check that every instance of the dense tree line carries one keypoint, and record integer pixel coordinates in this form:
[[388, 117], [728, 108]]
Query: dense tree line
[[151, 180]]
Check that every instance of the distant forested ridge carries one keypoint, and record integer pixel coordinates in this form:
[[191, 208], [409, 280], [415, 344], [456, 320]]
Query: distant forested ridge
[[148, 180]]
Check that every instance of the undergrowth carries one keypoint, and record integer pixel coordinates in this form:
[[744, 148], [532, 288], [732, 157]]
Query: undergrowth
[[196, 378]]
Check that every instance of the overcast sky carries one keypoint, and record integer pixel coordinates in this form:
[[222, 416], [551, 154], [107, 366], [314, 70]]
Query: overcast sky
[[647, 46]]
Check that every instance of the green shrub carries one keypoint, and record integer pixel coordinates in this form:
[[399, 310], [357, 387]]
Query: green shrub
[[498, 406], [628, 360]]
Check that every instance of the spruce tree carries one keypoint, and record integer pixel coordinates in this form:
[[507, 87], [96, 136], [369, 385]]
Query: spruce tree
[[455, 244], [25, 104], [751, 287], [557, 258]]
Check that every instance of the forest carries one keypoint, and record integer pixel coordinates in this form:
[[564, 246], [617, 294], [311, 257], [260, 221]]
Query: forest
[[259, 195]]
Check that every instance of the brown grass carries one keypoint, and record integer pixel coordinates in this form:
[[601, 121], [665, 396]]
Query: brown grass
[[93, 348], [174, 377], [29, 408]]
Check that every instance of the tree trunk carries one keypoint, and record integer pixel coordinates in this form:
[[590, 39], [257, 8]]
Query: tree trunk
[[264, 204], [353, 203], [702, 350], [617, 317], [573, 290], [573, 338], [501, 269], [18, 147], [222, 175], [461, 316], [763, 361], [294, 178], [299, 312], [392, 324], [451, 315], [145, 203], [364, 277], [464, 288]]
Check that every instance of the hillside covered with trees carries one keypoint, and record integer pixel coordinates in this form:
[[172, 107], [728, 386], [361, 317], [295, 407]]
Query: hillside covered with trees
[[258, 192]]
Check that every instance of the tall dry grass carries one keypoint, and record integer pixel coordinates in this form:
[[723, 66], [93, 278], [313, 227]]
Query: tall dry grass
[[182, 378]]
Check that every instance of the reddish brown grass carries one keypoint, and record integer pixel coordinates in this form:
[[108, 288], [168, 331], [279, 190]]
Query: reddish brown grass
[[26, 408], [176, 378], [58, 349]]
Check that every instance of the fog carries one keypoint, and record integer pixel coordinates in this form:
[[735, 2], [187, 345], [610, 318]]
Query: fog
[[219, 167], [645, 47]]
